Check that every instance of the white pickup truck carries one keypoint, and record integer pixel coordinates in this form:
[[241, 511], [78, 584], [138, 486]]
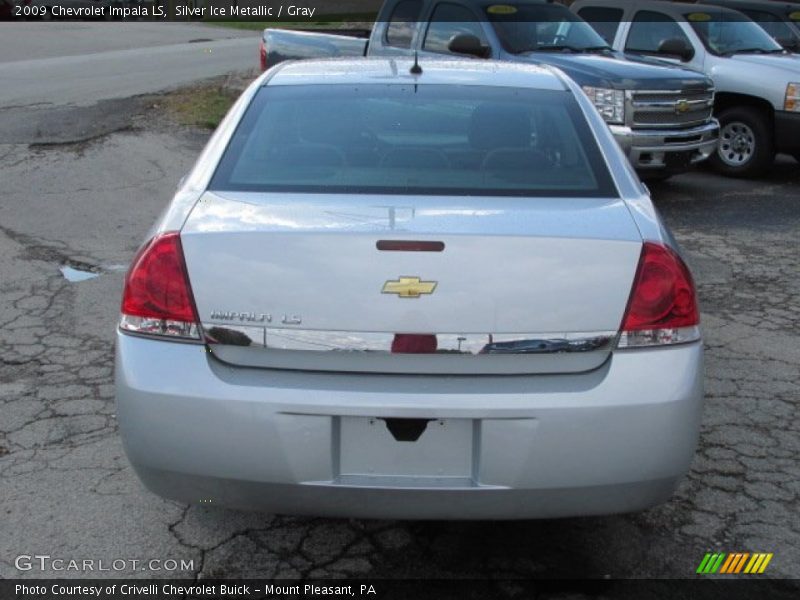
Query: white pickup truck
[[757, 82]]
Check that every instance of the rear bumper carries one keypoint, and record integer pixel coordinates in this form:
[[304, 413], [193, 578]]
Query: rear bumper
[[667, 149], [616, 439], [787, 132]]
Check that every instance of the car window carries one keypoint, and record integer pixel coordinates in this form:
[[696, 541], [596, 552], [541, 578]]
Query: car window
[[447, 21], [604, 20], [414, 139], [650, 29], [403, 20]]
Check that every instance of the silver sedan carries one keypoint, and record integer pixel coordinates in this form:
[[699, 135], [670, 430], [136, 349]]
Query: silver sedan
[[399, 292]]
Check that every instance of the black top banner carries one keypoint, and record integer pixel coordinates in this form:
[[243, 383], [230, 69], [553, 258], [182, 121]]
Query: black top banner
[[182, 10], [312, 11]]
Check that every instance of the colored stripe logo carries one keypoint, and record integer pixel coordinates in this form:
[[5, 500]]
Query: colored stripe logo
[[734, 563]]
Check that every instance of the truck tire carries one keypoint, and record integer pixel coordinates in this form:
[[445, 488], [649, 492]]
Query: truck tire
[[746, 145]]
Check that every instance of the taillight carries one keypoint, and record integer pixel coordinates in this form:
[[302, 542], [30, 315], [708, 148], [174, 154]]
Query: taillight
[[662, 308], [414, 343], [157, 299], [262, 55]]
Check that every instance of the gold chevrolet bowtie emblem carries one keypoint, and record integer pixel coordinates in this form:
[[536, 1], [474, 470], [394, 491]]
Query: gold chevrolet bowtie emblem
[[682, 106], [409, 287]]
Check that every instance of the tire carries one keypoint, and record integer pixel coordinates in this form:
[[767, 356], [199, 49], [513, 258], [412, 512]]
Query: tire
[[746, 145]]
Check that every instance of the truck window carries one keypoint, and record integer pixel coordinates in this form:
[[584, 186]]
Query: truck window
[[447, 140], [541, 27], [650, 29], [725, 35], [772, 24], [402, 21], [604, 20], [447, 21]]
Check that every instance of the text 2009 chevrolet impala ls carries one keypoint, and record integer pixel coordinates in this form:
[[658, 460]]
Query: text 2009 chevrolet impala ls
[[390, 293]]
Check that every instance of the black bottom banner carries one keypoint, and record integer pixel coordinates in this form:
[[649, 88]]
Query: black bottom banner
[[400, 589]]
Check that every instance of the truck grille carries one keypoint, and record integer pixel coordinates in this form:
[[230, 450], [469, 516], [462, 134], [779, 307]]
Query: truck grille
[[671, 110]]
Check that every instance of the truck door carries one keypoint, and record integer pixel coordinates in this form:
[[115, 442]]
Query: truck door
[[396, 36], [448, 20], [653, 33]]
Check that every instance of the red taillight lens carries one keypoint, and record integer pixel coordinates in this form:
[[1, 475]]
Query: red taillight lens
[[409, 246], [262, 55], [157, 299], [662, 308]]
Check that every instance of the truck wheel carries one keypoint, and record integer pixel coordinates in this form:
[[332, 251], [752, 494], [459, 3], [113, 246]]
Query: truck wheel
[[746, 146]]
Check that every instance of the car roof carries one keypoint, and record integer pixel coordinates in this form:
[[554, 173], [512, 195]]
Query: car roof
[[398, 70]]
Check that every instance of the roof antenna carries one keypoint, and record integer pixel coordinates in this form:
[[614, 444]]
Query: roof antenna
[[415, 68]]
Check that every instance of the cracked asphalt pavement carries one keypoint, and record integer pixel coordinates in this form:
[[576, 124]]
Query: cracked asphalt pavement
[[66, 489]]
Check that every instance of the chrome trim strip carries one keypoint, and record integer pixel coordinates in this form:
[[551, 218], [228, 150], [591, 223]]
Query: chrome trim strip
[[659, 106], [381, 342]]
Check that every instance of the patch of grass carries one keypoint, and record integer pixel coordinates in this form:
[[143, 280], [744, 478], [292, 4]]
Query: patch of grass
[[199, 106]]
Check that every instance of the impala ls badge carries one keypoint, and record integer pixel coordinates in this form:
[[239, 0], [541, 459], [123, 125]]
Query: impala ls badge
[[408, 287], [251, 317], [242, 317]]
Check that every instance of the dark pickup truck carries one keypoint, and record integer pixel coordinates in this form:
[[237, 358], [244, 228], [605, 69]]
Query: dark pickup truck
[[659, 113]]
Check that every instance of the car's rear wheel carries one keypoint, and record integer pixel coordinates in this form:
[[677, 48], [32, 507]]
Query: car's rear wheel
[[746, 147]]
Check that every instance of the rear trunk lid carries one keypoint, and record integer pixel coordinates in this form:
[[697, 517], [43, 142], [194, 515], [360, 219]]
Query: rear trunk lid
[[297, 281]]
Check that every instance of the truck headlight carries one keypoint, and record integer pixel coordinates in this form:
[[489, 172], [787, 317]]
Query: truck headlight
[[792, 101], [610, 103]]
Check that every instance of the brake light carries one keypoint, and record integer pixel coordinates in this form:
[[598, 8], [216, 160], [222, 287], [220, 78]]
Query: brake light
[[662, 308], [414, 343], [157, 299], [262, 54], [409, 246]]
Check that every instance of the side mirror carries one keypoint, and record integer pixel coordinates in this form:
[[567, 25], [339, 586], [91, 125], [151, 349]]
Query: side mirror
[[466, 43], [676, 47]]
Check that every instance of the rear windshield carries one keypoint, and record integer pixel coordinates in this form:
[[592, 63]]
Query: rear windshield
[[407, 139]]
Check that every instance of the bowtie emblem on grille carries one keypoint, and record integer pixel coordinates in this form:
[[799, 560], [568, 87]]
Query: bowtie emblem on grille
[[682, 106], [408, 287]]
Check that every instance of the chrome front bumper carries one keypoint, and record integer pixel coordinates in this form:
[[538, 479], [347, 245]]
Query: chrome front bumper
[[667, 149]]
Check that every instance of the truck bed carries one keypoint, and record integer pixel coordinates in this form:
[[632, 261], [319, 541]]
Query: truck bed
[[284, 44]]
